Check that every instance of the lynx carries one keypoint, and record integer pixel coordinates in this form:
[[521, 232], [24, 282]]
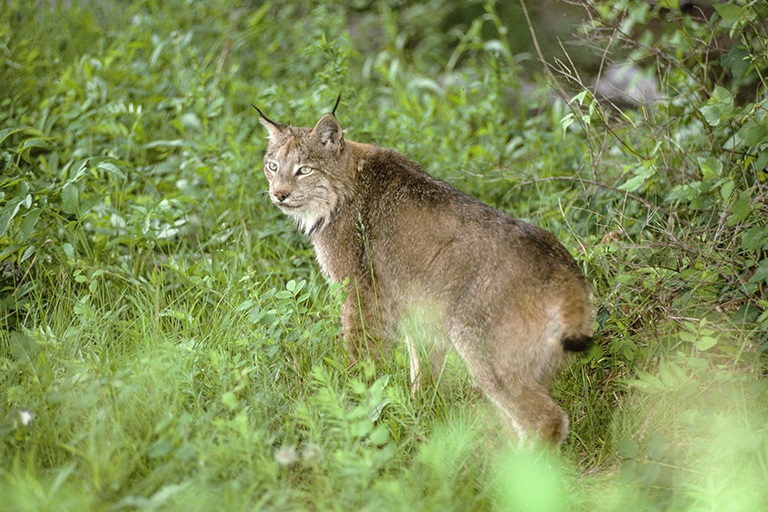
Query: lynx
[[505, 294]]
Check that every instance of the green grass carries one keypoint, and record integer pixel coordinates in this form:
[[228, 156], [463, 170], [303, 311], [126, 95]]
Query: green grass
[[168, 343]]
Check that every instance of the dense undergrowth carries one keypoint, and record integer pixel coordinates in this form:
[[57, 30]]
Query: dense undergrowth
[[167, 341]]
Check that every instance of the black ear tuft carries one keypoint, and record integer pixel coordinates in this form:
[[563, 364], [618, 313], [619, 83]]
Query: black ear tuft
[[333, 112], [274, 128]]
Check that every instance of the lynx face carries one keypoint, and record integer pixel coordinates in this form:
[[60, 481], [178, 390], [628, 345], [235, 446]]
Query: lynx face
[[297, 183], [306, 180]]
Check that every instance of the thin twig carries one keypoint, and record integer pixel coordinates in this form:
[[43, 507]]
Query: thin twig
[[639, 199], [224, 55], [561, 91]]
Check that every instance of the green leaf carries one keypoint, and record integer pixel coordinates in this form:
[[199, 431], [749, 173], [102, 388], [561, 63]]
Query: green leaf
[[718, 107], [8, 213], [738, 60], [710, 167], [753, 133], [740, 209], [761, 274], [4, 134], [636, 182], [657, 446], [762, 161], [379, 436], [727, 189], [705, 343], [754, 239], [69, 201], [69, 251], [729, 12], [627, 448], [89, 203], [229, 399], [32, 360], [29, 223], [111, 169], [334, 364]]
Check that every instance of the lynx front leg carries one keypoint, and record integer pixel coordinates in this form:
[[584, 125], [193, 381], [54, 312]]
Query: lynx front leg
[[424, 335], [413, 361], [363, 324]]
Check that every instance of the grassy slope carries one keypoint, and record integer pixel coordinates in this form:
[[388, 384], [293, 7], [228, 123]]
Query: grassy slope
[[172, 345]]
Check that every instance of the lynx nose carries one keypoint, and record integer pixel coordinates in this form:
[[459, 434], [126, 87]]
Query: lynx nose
[[281, 195]]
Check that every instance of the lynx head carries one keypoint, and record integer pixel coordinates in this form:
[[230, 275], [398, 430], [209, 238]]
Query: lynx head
[[309, 170]]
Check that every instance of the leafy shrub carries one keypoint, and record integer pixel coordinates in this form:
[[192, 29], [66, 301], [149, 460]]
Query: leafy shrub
[[167, 342]]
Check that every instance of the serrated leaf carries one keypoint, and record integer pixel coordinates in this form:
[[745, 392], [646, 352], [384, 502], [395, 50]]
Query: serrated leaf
[[69, 201], [4, 134], [111, 169]]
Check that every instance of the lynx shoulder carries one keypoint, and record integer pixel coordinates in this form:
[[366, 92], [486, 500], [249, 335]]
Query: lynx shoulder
[[505, 294]]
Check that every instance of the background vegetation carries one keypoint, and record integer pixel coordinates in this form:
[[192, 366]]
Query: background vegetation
[[167, 342]]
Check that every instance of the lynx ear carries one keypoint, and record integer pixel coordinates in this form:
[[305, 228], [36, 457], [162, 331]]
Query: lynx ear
[[274, 128], [328, 131]]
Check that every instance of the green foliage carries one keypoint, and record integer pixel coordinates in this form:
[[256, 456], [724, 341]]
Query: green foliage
[[167, 341]]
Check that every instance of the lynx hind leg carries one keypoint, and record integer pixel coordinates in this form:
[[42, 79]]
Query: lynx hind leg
[[519, 390], [530, 411], [527, 407]]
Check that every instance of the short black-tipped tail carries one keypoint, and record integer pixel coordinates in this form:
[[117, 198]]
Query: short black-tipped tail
[[577, 343]]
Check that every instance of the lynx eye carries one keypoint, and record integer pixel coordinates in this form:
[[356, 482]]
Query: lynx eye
[[271, 166], [304, 171]]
